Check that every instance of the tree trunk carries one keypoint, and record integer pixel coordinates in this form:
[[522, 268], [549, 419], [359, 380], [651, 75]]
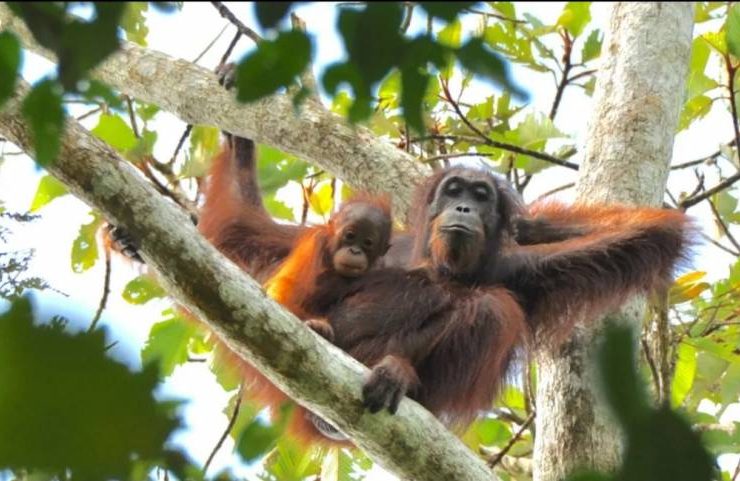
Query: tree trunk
[[637, 102]]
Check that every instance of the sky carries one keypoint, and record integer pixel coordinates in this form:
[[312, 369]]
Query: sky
[[185, 35]]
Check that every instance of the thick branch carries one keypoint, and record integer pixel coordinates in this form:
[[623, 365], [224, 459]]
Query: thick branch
[[412, 443], [316, 135]]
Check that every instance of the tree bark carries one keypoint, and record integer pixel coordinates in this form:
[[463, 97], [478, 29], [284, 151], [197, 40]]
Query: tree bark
[[639, 93], [315, 134], [412, 443]]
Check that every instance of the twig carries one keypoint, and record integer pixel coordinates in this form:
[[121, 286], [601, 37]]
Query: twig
[[89, 113], [556, 190], [228, 15], [564, 80], [226, 432], [497, 458], [503, 145], [132, 116], [180, 142], [230, 48], [407, 18], [210, 44], [702, 160], [453, 155], [737, 471], [308, 81], [651, 364], [585, 73], [494, 15], [719, 245], [723, 225], [731, 89], [106, 291], [691, 201]]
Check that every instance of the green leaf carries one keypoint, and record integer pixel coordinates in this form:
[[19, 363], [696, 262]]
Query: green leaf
[[142, 289], [66, 406], [683, 376], [730, 385], [476, 58], [113, 130], [291, 462], [276, 168], [49, 189], [278, 209], [79, 45], [321, 200], [414, 84], [693, 110], [447, 11], [256, 440], [204, 144], [10, 62], [619, 379], [592, 46], [96, 91], [575, 17], [451, 35], [270, 13], [732, 30], [337, 466], [42, 107], [133, 22], [274, 64], [85, 246], [492, 431], [144, 148], [168, 344]]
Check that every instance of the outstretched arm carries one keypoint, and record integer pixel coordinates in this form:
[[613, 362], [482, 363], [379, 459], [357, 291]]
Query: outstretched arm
[[619, 251]]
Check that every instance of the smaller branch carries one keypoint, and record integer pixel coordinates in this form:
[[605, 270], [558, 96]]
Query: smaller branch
[[585, 73], [106, 291], [703, 160], [494, 15], [691, 201], [731, 69], [243, 29], [226, 432], [407, 18], [737, 471], [723, 225], [453, 155], [89, 113], [132, 116], [308, 80], [502, 145], [497, 458], [180, 142], [651, 363], [210, 45], [556, 190], [719, 245], [508, 416], [564, 80], [230, 48]]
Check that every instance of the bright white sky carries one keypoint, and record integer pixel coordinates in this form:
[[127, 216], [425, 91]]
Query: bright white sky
[[185, 35]]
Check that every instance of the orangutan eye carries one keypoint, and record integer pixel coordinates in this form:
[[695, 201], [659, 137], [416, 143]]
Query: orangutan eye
[[481, 194], [349, 237], [454, 189], [368, 243]]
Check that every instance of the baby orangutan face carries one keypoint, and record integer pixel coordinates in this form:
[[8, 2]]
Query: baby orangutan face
[[361, 235]]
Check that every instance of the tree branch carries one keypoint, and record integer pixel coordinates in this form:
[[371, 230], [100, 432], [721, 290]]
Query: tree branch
[[321, 377], [316, 135]]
